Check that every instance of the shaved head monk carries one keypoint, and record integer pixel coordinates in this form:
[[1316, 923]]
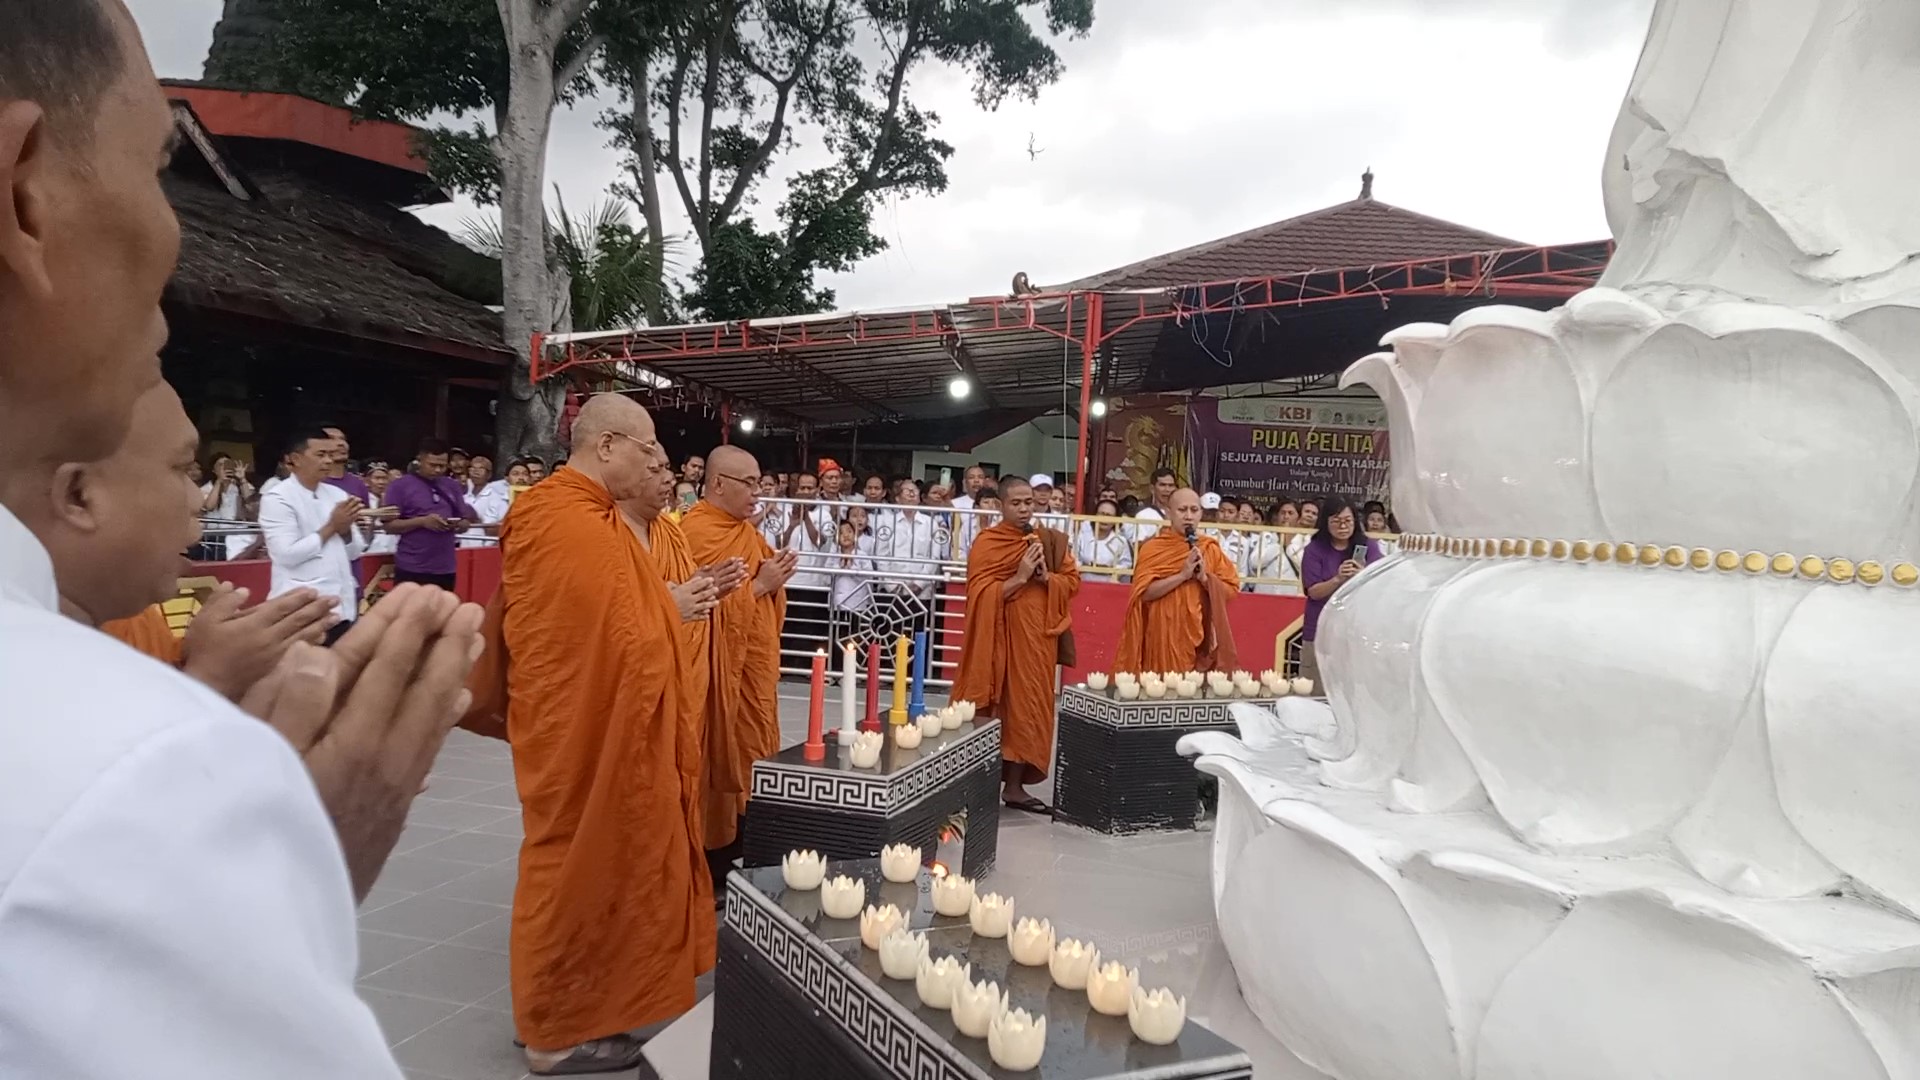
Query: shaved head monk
[[116, 531], [1182, 584], [1021, 580], [743, 702], [613, 915]]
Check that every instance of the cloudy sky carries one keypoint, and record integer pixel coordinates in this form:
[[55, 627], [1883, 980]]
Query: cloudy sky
[[1178, 121]]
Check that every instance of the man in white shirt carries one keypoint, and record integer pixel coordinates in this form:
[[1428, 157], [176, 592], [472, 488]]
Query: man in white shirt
[[1163, 485], [811, 531], [176, 885], [313, 538], [1043, 497]]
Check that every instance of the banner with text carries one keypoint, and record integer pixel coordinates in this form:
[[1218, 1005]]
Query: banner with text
[[1268, 447]]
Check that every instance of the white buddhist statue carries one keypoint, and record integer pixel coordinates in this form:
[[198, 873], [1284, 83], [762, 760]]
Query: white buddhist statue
[[1620, 768]]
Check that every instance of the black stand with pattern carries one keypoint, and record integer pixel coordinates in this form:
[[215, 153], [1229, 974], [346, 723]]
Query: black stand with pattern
[[848, 813], [1115, 769]]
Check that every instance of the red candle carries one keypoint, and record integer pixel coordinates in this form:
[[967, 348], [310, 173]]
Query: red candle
[[872, 722], [816, 749]]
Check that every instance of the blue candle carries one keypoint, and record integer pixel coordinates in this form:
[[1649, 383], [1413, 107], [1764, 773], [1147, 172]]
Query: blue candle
[[918, 704]]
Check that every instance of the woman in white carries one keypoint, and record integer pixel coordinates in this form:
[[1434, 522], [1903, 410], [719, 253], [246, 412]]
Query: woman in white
[[224, 497], [1102, 544], [903, 543], [852, 590]]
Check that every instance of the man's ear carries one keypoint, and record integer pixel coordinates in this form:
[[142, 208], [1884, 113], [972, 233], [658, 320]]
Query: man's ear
[[26, 157], [72, 499]]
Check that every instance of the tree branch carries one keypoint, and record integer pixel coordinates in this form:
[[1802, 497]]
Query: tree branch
[[776, 128], [576, 64], [709, 96], [676, 161], [559, 17]]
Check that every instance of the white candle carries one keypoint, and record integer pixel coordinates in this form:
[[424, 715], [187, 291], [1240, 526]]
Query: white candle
[[849, 717]]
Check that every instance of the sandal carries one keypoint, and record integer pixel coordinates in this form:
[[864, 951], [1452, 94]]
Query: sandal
[[615, 1053], [1030, 804]]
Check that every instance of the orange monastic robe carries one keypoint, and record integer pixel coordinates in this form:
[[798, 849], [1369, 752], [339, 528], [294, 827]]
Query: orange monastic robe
[[613, 916], [743, 702], [674, 556], [1187, 629], [1007, 658], [147, 632]]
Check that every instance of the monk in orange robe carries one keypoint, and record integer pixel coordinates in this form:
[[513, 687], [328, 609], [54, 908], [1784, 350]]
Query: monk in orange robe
[[613, 914], [743, 702], [116, 551], [1021, 581], [1182, 584]]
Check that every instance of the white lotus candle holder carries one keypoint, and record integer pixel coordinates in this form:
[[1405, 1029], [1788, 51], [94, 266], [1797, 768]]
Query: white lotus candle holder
[[1031, 942], [976, 1006], [1172, 676], [1242, 675], [936, 980], [953, 895], [931, 725], [901, 954], [991, 915], [803, 870], [1187, 689], [842, 897], [1069, 964], [907, 736], [1219, 684], [865, 751], [1156, 690], [1124, 678], [1191, 676], [1156, 1017], [900, 863], [1109, 986], [1302, 686], [1128, 691], [965, 710], [1097, 680], [877, 922], [1281, 686], [1016, 1039]]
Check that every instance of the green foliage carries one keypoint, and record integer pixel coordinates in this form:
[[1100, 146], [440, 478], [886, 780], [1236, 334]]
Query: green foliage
[[612, 282]]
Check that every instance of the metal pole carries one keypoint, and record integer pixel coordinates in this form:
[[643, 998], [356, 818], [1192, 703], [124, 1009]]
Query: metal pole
[[1089, 344]]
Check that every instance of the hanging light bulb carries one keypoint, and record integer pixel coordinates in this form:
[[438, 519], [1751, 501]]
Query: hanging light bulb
[[746, 424], [960, 387], [1098, 409]]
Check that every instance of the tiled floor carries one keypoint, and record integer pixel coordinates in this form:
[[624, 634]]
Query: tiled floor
[[433, 934]]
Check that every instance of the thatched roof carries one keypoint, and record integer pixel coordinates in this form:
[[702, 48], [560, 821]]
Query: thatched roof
[[303, 247]]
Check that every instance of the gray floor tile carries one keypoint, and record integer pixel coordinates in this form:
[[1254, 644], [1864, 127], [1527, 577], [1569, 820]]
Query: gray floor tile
[[418, 873], [402, 1016], [472, 1044], [491, 935], [489, 885], [479, 848], [505, 796], [490, 771], [458, 816], [434, 918], [380, 896], [445, 973], [506, 826], [452, 788], [378, 950], [418, 835]]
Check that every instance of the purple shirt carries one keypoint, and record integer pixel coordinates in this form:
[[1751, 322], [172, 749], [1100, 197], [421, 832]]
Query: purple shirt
[[424, 551], [353, 486], [1319, 562]]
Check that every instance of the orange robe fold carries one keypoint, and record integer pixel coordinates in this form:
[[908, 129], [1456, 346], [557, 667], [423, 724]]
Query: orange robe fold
[[743, 698], [674, 556], [613, 915], [147, 632], [1007, 657], [1187, 629]]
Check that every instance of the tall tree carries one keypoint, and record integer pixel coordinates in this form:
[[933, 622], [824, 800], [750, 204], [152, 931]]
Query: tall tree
[[510, 60], [715, 92]]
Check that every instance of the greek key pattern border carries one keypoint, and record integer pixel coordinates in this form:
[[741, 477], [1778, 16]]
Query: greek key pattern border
[[874, 793], [885, 1029], [1165, 713]]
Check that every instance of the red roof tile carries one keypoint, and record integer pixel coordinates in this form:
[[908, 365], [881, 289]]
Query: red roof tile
[[1363, 232]]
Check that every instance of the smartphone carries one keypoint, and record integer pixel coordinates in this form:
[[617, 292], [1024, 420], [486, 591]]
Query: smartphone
[[1359, 556]]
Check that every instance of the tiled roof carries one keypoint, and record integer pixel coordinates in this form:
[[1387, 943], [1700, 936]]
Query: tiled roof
[[1363, 232]]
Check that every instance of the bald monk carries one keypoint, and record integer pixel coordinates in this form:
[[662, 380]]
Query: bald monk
[[743, 702], [613, 914], [117, 546], [1182, 584], [1021, 580]]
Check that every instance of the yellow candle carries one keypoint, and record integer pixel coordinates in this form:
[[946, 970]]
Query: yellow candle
[[898, 714]]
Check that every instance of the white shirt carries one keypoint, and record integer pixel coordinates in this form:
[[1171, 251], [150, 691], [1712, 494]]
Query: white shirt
[[812, 554], [853, 592], [901, 543], [229, 507], [773, 525], [489, 504], [1112, 550], [173, 900], [1147, 514], [290, 519]]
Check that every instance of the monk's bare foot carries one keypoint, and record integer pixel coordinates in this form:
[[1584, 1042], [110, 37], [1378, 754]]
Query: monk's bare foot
[[615, 1053], [1016, 797]]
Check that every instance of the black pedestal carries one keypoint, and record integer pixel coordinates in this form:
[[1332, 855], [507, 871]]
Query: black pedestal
[[1116, 770], [847, 813], [796, 997]]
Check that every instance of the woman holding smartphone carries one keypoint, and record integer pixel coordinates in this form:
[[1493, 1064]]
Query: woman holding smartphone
[[1338, 551]]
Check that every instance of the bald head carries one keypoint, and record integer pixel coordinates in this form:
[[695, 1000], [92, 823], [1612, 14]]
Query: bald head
[[656, 495], [614, 445], [1183, 508], [733, 481]]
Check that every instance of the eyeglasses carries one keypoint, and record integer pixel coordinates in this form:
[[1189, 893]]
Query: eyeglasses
[[750, 481], [644, 444]]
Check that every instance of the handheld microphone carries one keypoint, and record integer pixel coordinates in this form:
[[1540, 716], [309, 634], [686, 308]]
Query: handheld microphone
[[1192, 539], [1027, 527]]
